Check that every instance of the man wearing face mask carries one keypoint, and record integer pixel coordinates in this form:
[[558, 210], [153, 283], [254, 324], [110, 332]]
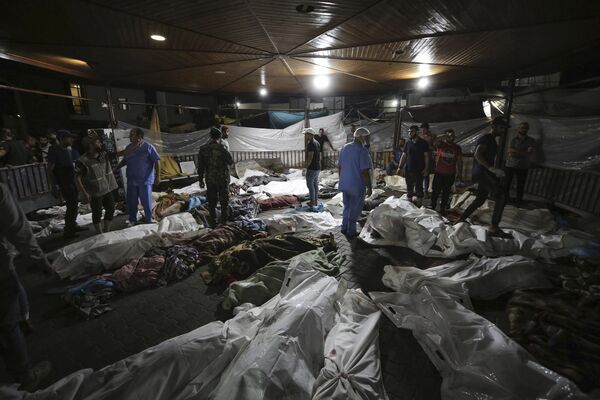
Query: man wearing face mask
[[416, 160], [518, 161], [354, 167], [61, 176], [448, 165], [488, 178]]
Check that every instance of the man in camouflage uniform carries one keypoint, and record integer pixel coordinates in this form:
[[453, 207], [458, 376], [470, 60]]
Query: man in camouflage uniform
[[213, 166]]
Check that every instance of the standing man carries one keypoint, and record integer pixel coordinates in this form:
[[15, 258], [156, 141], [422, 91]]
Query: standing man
[[429, 137], [96, 182], [143, 170], [416, 159], [313, 165], [16, 231], [355, 180], [323, 139], [44, 147], [213, 167], [392, 166], [518, 161], [61, 176], [488, 178], [13, 152], [224, 136], [448, 165]]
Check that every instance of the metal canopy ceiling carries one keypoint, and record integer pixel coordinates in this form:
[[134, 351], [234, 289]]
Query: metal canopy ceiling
[[361, 45]]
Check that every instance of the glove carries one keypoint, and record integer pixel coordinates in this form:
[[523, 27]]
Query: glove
[[498, 172]]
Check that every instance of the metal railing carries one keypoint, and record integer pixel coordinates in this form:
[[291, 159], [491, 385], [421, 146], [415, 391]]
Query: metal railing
[[26, 181]]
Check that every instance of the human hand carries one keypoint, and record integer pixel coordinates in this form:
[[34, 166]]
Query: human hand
[[45, 266], [157, 180], [369, 191], [86, 197], [498, 172]]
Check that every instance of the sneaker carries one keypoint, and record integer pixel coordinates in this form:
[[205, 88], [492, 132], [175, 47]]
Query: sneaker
[[32, 379]]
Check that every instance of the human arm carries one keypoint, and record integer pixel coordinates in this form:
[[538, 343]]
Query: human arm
[[366, 175], [459, 164], [86, 195], [309, 158], [157, 172], [401, 163], [426, 170], [129, 149], [479, 156], [200, 168]]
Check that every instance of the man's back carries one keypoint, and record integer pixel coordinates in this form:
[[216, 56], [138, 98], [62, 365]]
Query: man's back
[[16, 153], [213, 162]]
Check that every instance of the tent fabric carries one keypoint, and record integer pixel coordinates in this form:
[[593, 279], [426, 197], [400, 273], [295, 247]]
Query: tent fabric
[[283, 119], [244, 139], [475, 358]]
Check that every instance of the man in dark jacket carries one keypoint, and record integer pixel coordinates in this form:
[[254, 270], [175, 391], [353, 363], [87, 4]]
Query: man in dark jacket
[[213, 167]]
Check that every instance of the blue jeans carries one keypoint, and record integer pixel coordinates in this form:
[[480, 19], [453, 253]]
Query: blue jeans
[[144, 194], [312, 181], [353, 205]]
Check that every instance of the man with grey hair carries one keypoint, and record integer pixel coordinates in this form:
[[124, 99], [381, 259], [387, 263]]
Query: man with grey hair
[[354, 167]]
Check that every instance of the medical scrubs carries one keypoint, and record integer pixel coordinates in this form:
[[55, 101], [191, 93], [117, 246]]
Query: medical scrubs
[[354, 158], [140, 177]]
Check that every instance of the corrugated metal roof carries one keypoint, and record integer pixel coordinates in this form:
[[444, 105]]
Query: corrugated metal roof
[[362, 45]]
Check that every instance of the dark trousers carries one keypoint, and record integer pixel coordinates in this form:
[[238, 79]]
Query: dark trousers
[[71, 197], [488, 184], [442, 183], [521, 175], [414, 184], [218, 193], [13, 347], [108, 203]]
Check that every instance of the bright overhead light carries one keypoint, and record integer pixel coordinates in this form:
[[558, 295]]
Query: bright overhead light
[[262, 91], [237, 104], [422, 83], [321, 82], [158, 38], [220, 72], [395, 103]]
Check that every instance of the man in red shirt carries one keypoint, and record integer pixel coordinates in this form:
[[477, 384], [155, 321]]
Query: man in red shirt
[[448, 164]]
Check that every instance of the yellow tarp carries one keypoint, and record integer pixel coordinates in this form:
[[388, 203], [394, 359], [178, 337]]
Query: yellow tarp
[[168, 166], [226, 120]]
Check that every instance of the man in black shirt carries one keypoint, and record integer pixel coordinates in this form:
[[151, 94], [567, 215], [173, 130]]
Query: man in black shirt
[[322, 139], [13, 152], [313, 165]]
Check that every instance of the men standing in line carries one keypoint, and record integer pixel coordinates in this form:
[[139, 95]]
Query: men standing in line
[[518, 161], [13, 152], [355, 180], [16, 231], [61, 176], [488, 178], [416, 159], [392, 166], [429, 137], [143, 170], [448, 165], [313, 165], [213, 167], [96, 182]]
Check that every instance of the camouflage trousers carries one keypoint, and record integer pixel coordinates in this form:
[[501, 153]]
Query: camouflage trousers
[[218, 193]]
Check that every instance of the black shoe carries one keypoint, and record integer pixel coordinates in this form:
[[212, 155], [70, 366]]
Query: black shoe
[[31, 380]]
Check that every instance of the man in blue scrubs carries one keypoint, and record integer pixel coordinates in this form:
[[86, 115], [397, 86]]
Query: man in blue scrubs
[[355, 179], [143, 170]]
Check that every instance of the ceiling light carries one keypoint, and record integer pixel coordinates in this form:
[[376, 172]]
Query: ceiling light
[[238, 104], [395, 103], [220, 72], [262, 91], [158, 38], [422, 83], [321, 82]]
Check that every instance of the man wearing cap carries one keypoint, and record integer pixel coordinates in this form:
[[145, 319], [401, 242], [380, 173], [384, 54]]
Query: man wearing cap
[[213, 167], [448, 164], [415, 161], [429, 137], [61, 176], [313, 165], [488, 178], [96, 182], [143, 170], [354, 167]]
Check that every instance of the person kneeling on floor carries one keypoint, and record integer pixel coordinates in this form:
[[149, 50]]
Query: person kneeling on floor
[[213, 167]]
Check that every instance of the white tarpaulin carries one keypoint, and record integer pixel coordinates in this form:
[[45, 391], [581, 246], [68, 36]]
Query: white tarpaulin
[[398, 222], [287, 221], [111, 250], [241, 138], [475, 358], [352, 360]]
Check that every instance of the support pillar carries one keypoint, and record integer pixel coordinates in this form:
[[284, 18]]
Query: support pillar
[[111, 108]]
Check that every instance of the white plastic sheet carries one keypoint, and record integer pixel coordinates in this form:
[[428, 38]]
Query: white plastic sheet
[[352, 360], [298, 221], [398, 222], [485, 278], [110, 250], [475, 358]]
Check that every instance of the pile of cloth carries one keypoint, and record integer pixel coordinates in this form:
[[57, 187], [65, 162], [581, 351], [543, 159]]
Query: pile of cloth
[[52, 220], [398, 222], [313, 340], [240, 261], [173, 203], [278, 202]]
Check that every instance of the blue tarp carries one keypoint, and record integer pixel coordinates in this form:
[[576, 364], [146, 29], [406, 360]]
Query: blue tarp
[[283, 119]]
